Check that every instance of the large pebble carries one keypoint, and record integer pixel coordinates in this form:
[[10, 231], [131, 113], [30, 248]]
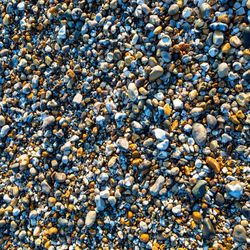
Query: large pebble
[[208, 229], [160, 134], [213, 163], [199, 189], [239, 234], [223, 70], [234, 189], [154, 190], [199, 134], [156, 73], [90, 218], [122, 143], [132, 92], [48, 121]]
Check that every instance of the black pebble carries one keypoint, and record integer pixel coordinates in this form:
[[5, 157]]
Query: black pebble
[[246, 38]]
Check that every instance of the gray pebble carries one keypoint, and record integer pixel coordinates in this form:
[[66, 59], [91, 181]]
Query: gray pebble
[[199, 189], [208, 229], [239, 234], [199, 133]]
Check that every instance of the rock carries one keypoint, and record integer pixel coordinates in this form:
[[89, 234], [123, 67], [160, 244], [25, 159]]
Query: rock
[[187, 12], [48, 121], [178, 104], [246, 211], [62, 33], [4, 131], [234, 189], [154, 190], [77, 98], [173, 9], [208, 229], [23, 160], [218, 38], [165, 42], [45, 187], [160, 134], [157, 72], [100, 204], [176, 209], [143, 226], [235, 41], [21, 6], [197, 216], [246, 37], [119, 119], [122, 143], [199, 189], [205, 10], [2, 120], [132, 92], [211, 121], [223, 70], [163, 145], [90, 218], [199, 134], [219, 199], [60, 177], [212, 163], [144, 238], [239, 234]]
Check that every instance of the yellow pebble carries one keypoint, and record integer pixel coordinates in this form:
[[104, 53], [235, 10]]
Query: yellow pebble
[[144, 237], [197, 215], [52, 230], [167, 109]]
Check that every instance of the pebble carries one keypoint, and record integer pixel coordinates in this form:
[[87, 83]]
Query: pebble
[[178, 104], [160, 134], [122, 143], [223, 70], [154, 190], [48, 121], [60, 177], [218, 38], [199, 134], [90, 218], [157, 72], [2, 121], [211, 121], [234, 189], [239, 234], [199, 189], [213, 163], [132, 92], [163, 145], [77, 98], [208, 229], [173, 9]]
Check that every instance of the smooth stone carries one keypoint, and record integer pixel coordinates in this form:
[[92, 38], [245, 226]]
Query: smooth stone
[[163, 145], [199, 189], [239, 234], [178, 104], [187, 12], [90, 218], [4, 131], [100, 204], [165, 42], [199, 133], [176, 209], [219, 26], [157, 72], [205, 10], [143, 226], [173, 9], [132, 92], [77, 98], [60, 177], [208, 229], [122, 143], [213, 163], [211, 121], [219, 199], [119, 119], [62, 32], [154, 190], [218, 38], [2, 120], [246, 211], [160, 134], [234, 189], [45, 187], [223, 70], [48, 121], [235, 41]]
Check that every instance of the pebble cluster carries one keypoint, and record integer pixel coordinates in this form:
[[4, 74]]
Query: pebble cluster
[[124, 124]]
